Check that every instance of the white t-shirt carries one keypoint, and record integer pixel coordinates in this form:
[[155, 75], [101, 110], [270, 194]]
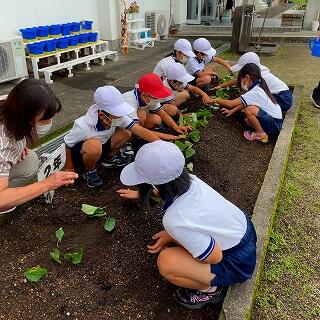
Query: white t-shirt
[[257, 97], [81, 131], [163, 64], [200, 217], [195, 66], [132, 97], [275, 84]]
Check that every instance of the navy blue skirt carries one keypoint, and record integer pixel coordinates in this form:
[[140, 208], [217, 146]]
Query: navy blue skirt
[[238, 263], [284, 99]]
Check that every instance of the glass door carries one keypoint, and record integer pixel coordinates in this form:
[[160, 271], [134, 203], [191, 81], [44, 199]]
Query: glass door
[[194, 11], [208, 10]]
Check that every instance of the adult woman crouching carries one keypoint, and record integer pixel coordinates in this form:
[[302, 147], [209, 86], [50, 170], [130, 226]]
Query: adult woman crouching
[[25, 114]]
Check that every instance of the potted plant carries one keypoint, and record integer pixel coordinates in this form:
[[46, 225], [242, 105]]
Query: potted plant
[[133, 11], [173, 29]]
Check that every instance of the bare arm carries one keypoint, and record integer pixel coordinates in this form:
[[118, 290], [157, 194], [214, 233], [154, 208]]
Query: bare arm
[[144, 133], [215, 256], [199, 92], [222, 63], [170, 123], [230, 104], [230, 83], [11, 197]]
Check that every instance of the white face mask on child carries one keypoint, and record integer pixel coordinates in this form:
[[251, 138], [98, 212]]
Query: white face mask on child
[[184, 59], [244, 86], [42, 129]]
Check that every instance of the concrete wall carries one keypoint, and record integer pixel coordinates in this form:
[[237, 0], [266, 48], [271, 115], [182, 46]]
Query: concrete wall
[[312, 13], [17, 14]]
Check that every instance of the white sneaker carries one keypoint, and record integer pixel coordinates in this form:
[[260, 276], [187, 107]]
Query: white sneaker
[[7, 211]]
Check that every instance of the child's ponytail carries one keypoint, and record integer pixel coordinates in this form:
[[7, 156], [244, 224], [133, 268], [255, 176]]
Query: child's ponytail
[[254, 72]]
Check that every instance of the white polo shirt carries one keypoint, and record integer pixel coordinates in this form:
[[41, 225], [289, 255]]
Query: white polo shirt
[[132, 97], [200, 217], [257, 97], [163, 64], [81, 131], [195, 66], [275, 84]]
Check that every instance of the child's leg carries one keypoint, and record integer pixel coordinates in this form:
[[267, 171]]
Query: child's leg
[[91, 152], [118, 140], [142, 116], [251, 113], [152, 120], [170, 109], [180, 268], [203, 81], [181, 98]]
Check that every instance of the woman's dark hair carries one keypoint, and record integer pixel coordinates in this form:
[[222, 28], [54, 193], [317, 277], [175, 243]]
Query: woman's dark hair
[[167, 191], [254, 72], [27, 100]]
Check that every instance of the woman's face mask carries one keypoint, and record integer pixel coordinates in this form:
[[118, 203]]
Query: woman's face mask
[[184, 59], [42, 129]]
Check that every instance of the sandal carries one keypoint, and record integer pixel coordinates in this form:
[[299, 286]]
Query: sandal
[[254, 136]]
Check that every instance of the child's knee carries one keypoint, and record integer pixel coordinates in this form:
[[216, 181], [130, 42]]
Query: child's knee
[[154, 119], [92, 147]]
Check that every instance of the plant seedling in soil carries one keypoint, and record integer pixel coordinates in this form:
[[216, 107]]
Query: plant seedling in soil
[[186, 148], [221, 94], [194, 135], [92, 211], [34, 274], [109, 224], [59, 234], [74, 257], [225, 79], [190, 166], [55, 255]]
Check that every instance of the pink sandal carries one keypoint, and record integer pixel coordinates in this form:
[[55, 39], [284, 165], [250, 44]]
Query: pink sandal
[[254, 136]]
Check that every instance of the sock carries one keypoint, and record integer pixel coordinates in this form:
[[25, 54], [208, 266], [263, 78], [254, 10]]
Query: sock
[[209, 290]]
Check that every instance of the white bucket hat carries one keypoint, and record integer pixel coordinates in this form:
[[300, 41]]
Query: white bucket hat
[[249, 57], [204, 46], [156, 163], [176, 71], [184, 46]]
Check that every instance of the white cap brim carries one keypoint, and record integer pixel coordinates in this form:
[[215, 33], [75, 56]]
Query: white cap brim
[[236, 68], [185, 79], [212, 52], [121, 110], [188, 53], [130, 177]]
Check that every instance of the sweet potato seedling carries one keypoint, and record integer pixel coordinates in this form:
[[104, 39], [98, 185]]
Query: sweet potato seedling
[[92, 211], [74, 257], [34, 274], [109, 224], [55, 255]]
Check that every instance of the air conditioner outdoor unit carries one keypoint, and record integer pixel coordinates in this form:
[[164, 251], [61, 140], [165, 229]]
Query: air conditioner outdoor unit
[[12, 59], [158, 21]]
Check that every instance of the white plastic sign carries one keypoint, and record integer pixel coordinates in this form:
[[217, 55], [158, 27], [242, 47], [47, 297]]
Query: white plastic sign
[[54, 162]]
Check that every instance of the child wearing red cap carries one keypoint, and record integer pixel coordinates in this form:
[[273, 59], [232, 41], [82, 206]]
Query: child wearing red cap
[[146, 98]]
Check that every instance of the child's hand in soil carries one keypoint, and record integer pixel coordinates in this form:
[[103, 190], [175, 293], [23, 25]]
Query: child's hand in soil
[[227, 112], [182, 129], [60, 178], [163, 239], [207, 100], [128, 194]]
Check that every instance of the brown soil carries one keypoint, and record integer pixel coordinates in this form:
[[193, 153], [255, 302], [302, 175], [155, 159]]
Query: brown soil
[[118, 278]]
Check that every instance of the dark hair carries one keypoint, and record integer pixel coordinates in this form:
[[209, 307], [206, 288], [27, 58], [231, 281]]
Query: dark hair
[[196, 52], [172, 54], [254, 72], [26, 101], [167, 191]]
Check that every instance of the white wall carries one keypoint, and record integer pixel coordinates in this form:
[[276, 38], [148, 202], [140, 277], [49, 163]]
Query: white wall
[[151, 5], [179, 12], [17, 14]]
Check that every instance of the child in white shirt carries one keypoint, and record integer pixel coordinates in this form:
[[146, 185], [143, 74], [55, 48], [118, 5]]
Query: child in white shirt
[[262, 112]]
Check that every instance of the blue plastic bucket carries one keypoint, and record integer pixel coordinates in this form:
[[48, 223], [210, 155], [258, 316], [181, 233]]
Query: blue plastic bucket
[[43, 31], [87, 25], [75, 26], [50, 45], [62, 43], [36, 48], [73, 41], [29, 33], [93, 36], [314, 45], [83, 38], [54, 29], [65, 29]]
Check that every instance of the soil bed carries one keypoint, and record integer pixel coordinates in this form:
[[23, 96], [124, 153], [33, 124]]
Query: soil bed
[[118, 278]]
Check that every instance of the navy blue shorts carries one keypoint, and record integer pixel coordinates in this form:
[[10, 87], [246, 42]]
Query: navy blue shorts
[[77, 158], [238, 263], [284, 99], [269, 124]]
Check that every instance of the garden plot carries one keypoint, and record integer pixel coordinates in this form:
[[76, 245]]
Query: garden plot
[[116, 278]]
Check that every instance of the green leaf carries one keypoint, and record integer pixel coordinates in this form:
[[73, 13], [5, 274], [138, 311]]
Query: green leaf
[[205, 113], [59, 234], [194, 117], [181, 121], [194, 135], [34, 274], [74, 257], [55, 255], [190, 166], [188, 144], [92, 211], [110, 223], [189, 152], [180, 144]]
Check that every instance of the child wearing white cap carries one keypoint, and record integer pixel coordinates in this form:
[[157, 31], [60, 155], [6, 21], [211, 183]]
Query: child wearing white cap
[[182, 52], [99, 135], [260, 107], [276, 86], [214, 241], [197, 66], [178, 79], [145, 99]]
